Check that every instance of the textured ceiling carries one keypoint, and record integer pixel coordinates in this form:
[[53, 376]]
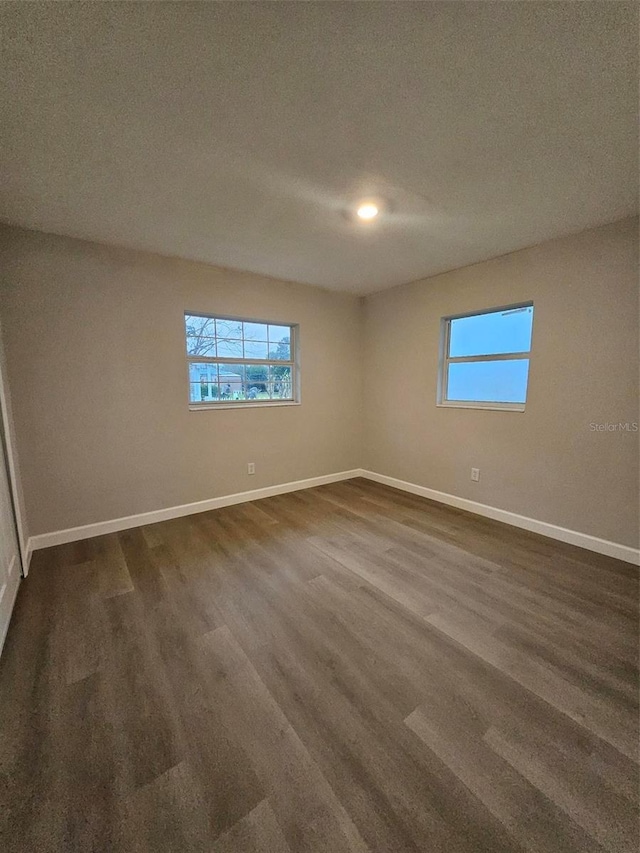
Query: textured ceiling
[[241, 134]]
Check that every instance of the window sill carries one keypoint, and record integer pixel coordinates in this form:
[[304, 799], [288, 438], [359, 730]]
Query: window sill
[[490, 407], [205, 407]]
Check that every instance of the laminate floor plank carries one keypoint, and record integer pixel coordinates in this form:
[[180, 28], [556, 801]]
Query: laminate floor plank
[[258, 832], [140, 700], [348, 668], [534, 820], [612, 723], [167, 815], [301, 796], [32, 725], [355, 735], [218, 759], [114, 577], [603, 813]]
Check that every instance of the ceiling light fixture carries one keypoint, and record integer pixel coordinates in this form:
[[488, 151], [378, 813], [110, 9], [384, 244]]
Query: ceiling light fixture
[[368, 211]]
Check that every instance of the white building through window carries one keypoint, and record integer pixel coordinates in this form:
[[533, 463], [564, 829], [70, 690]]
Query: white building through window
[[239, 362]]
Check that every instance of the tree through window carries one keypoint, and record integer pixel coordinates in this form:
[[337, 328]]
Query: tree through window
[[233, 361]]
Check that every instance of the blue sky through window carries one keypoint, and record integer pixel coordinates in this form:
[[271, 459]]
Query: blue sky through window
[[489, 381], [491, 334]]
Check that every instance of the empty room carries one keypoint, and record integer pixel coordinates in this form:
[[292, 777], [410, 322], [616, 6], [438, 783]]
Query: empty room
[[319, 396]]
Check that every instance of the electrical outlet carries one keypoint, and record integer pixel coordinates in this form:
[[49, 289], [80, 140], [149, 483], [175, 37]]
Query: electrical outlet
[[475, 475], [251, 467]]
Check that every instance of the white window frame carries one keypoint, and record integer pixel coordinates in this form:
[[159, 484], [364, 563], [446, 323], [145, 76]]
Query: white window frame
[[293, 363], [445, 360]]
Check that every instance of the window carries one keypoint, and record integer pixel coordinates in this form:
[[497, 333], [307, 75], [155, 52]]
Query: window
[[240, 362], [485, 359]]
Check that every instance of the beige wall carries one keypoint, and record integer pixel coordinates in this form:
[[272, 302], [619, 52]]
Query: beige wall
[[545, 463], [95, 350], [94, 345]]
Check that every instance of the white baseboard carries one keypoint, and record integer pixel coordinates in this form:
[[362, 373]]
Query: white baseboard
[[563, 534], [553, 531], [86, 531]]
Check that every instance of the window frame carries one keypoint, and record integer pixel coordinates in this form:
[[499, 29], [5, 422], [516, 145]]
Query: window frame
[[445, 360], [293, 363]]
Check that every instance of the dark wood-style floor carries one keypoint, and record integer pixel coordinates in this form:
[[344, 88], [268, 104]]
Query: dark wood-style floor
[[348, 668]]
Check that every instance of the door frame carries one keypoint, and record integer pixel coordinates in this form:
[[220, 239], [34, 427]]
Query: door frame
[[10, 455]]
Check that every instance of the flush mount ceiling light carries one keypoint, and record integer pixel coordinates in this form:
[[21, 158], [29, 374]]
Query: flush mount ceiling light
[[368, 210]]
